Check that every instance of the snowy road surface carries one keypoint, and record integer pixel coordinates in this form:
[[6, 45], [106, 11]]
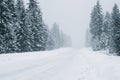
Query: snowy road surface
[[61, 64]]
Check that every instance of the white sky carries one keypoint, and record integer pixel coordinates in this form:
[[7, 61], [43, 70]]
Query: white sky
[[72, 15]]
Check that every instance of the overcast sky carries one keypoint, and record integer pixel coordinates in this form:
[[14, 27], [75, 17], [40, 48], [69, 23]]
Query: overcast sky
[[72, 16]]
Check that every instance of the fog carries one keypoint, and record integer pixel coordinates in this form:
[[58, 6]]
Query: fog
[[72, 16]]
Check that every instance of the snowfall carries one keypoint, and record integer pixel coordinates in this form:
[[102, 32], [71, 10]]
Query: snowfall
[[60, 64]]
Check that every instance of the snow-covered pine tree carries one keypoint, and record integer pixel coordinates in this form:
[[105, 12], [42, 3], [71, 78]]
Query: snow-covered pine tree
[[107, 32], [96, 25], [116, 29], [44, 36], [55, 33], [22, 30], [50, 41], [7, 26], [104, 35], [37, 30], [12, 43]]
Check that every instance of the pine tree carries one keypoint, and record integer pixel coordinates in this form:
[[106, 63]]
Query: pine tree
[[50, 41], [44, 36], [107, 32], [104, 35], [37, 31], [7, 37], [116, 29], [96, 25], [22, 30], [55, 33]]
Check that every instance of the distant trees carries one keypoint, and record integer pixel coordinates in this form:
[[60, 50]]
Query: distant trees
[[23, 30], [105, 30], [57, 38], [55, 33]]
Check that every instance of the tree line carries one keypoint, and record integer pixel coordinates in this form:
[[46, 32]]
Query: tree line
[[104, 30], [23, 29]]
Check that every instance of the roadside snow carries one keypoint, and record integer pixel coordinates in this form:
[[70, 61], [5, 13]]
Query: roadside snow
[[60, 64]]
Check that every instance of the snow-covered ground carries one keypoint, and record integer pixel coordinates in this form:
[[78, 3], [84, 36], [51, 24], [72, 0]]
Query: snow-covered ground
[[60, 64]]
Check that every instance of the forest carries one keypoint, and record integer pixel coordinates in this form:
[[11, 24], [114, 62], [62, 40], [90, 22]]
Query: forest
[[104, 30], [24, 30]]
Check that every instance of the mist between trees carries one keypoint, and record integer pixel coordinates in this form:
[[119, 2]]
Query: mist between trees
[[23, 29], [104, 30]]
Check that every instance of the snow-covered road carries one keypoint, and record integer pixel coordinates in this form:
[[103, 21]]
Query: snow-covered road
[[61, 64]]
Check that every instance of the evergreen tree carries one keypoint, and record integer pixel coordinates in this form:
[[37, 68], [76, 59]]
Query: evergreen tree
[[37, 31], [22, 30], [104, 35], [55, 33], [44, 36], [116, 29], [96, 26], [7, 37], [107, 32], [50, 41]]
